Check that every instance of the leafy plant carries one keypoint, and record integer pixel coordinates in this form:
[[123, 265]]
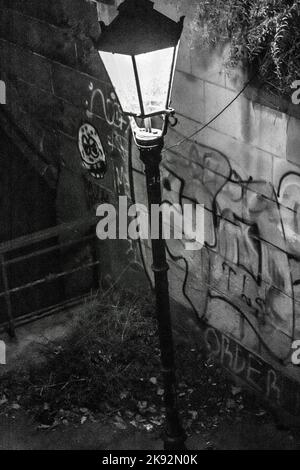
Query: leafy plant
[[264, 34], [107, 369]]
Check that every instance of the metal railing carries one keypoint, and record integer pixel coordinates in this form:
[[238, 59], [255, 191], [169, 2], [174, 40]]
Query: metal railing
[[58, 239]]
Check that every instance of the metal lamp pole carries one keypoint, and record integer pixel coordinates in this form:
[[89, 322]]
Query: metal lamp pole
[[150, 155]]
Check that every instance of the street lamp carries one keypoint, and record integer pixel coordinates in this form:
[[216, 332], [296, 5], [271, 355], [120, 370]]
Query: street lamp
[[139, 51]]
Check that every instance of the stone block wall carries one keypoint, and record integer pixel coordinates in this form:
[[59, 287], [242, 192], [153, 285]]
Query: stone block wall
[[242, 288]]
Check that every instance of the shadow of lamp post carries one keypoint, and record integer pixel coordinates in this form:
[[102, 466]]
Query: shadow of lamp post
[[139, 51]]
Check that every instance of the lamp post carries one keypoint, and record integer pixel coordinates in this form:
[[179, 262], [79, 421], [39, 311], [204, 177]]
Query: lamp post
[[139, 51]]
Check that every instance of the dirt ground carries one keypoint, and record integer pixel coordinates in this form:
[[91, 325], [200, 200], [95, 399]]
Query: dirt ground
[[19, 432], [223, 419]]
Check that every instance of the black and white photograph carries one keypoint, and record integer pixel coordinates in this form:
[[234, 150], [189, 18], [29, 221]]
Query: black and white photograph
[[149, 228]]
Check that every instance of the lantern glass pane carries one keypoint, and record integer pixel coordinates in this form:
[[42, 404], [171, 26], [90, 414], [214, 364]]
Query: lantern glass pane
[[155, 76], [121, 73]]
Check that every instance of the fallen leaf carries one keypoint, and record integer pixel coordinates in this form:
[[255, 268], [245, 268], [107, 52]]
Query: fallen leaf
[[119, 422], [3, 400], [120, 425], [142, 405], [235, 390], [44, 426], [139, 419], [133, 423], [148, 427], [260, 413], [157, 422], [230, 404]]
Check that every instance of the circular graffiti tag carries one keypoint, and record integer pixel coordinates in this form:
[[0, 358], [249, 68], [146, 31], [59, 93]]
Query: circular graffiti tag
[[91, 151]]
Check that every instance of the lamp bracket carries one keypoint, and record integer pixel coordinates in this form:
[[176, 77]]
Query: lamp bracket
[[148, 137]]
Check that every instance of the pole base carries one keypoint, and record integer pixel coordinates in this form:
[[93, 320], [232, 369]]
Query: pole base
[[175, 443]]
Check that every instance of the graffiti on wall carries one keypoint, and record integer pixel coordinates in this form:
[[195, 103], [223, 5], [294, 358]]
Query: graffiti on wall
[[245, 281], [105, 104], [273, 386], [2, 353], [110, 155], [91, 151], [2, 92]]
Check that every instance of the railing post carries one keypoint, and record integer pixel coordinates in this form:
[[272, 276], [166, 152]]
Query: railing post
[[11, 323]]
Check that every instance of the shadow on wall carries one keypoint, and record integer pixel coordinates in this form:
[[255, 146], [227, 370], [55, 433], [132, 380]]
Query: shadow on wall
[[245, 281], [2, 92]]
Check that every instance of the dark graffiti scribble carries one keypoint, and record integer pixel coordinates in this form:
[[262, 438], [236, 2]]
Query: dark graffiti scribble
[[244, 272]]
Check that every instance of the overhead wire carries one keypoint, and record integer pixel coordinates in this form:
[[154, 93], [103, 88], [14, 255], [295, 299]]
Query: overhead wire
[[212, 119]]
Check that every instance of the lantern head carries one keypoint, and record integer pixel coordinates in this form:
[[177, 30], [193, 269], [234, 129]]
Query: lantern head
[[139, 51]]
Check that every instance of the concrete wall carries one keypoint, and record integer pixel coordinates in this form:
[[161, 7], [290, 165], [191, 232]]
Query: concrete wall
[[245, 168], [244, 284], [55, 82]]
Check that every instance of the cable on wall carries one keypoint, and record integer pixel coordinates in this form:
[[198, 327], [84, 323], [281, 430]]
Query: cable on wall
[[213, 119]]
